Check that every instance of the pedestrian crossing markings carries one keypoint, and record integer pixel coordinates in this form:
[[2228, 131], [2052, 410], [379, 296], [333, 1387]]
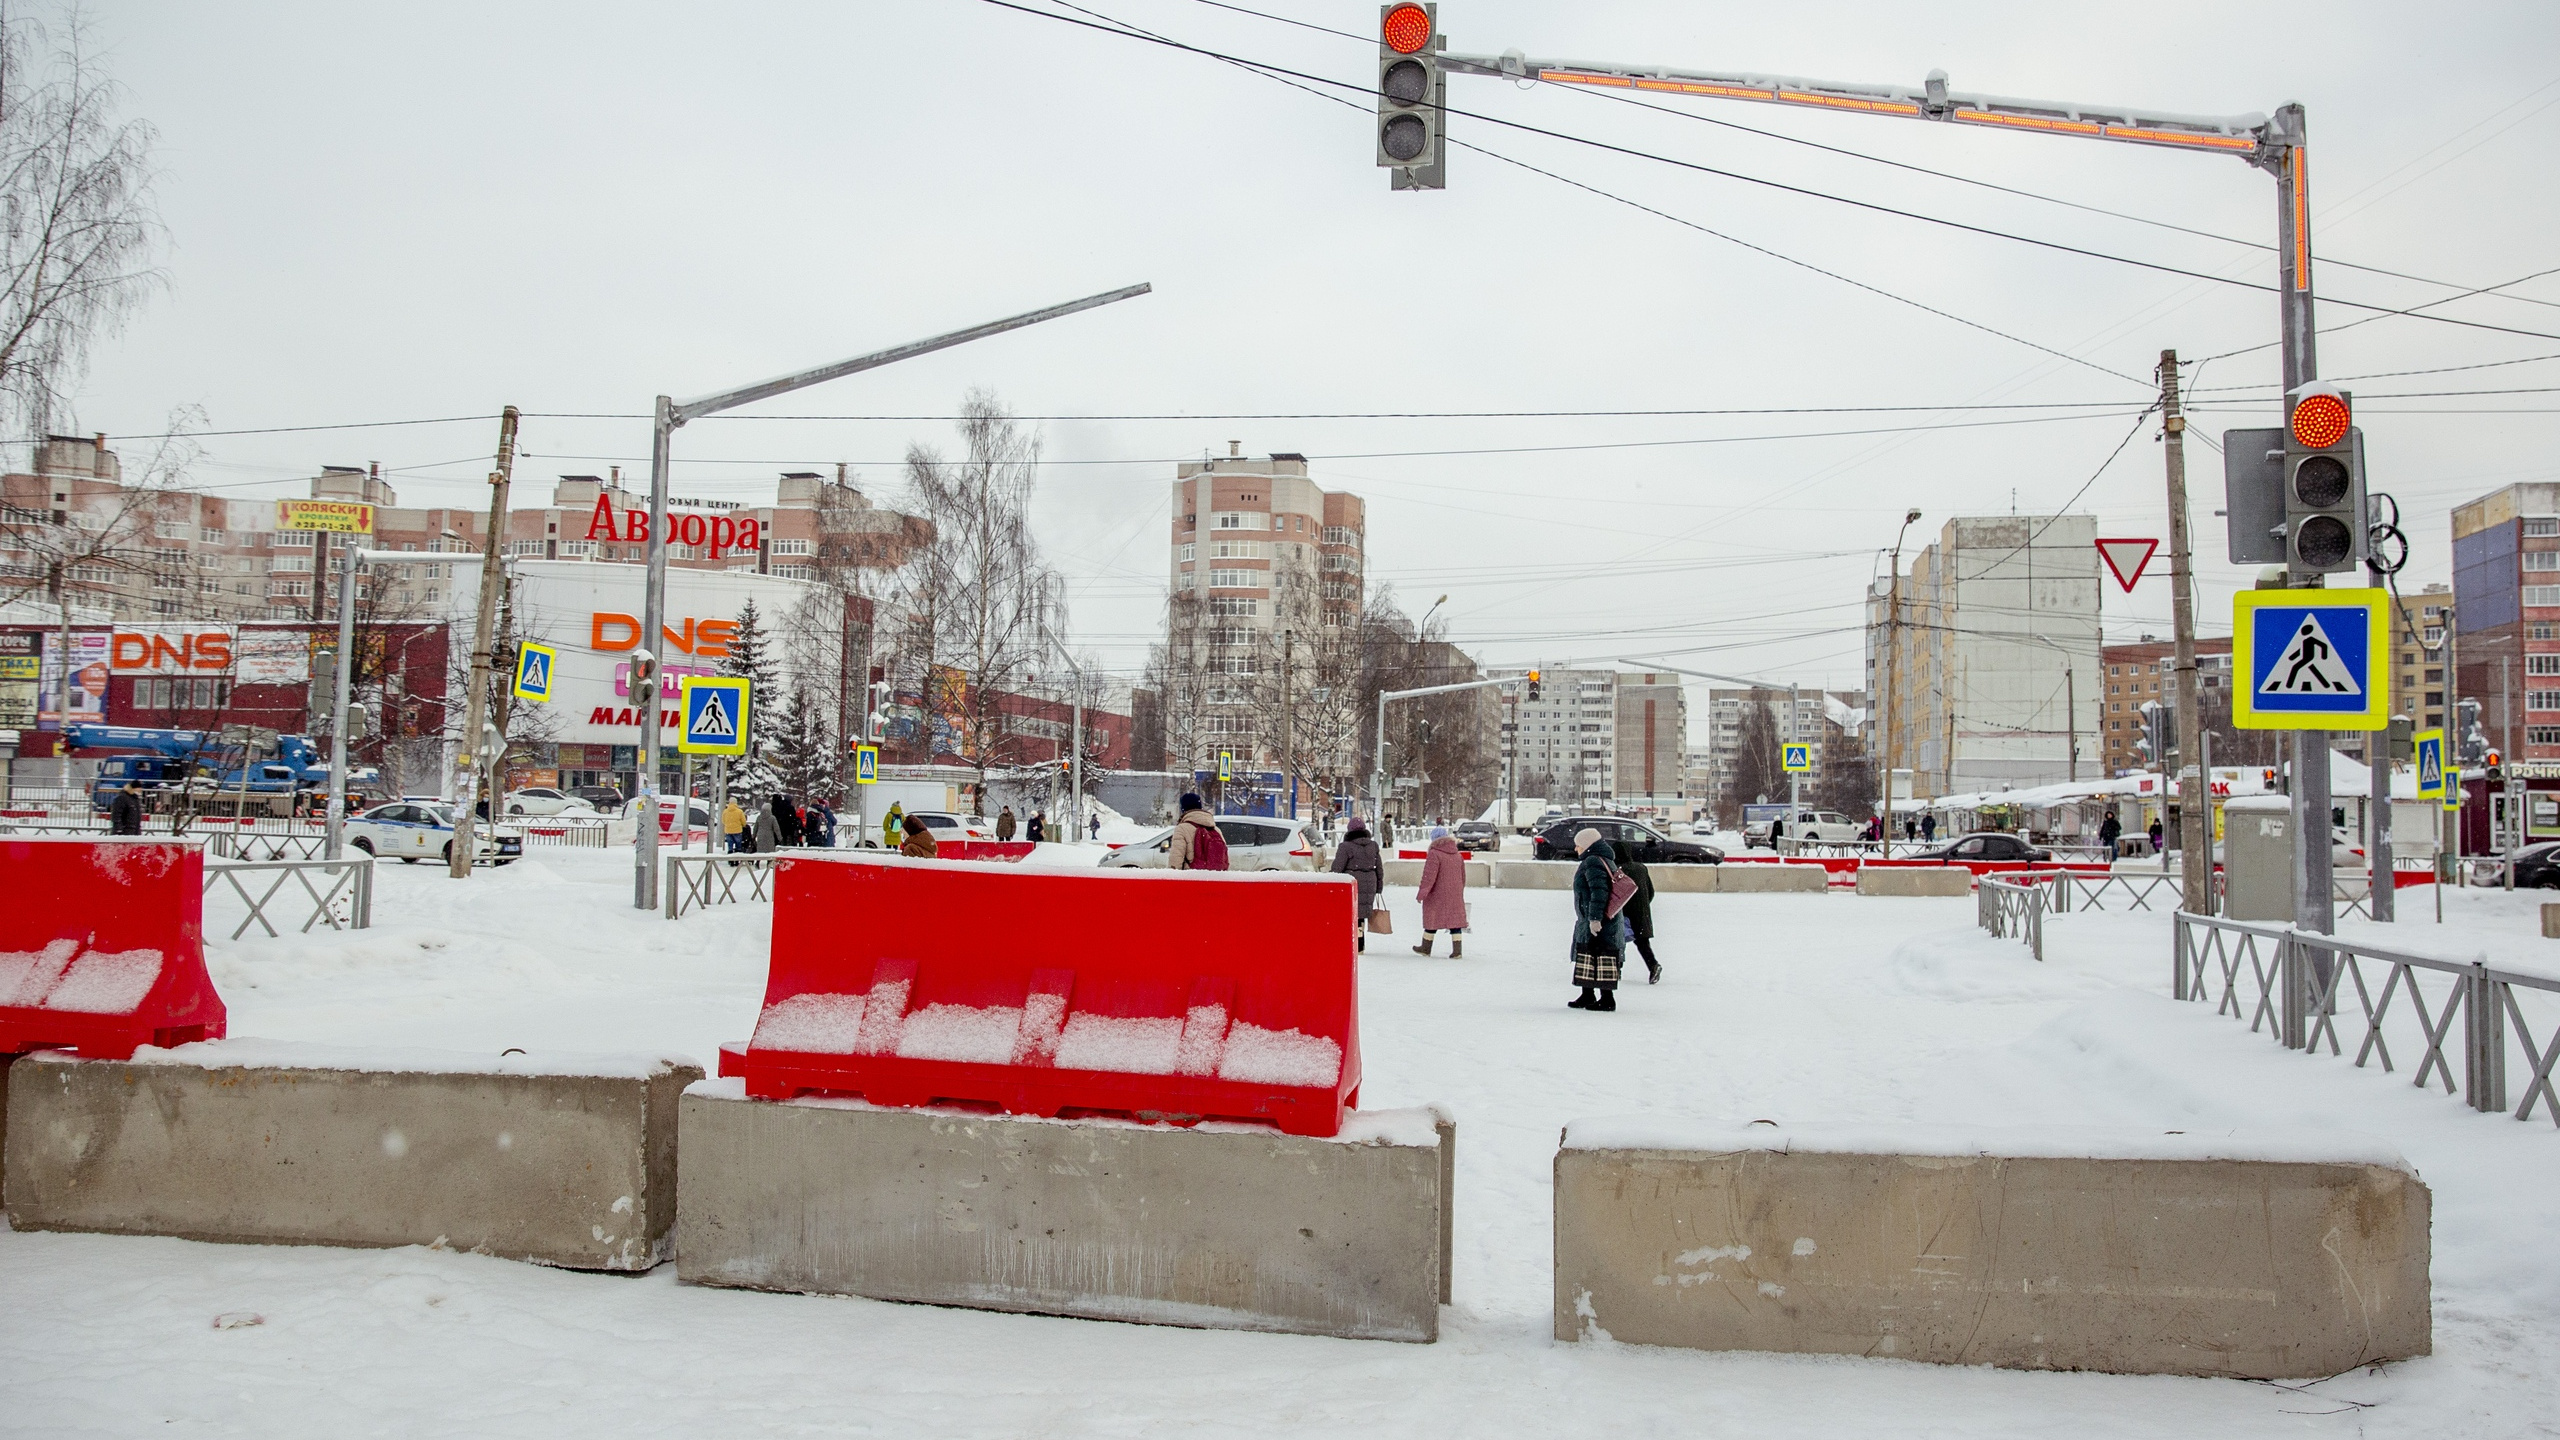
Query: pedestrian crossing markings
[[713, 720], [2310, 665]]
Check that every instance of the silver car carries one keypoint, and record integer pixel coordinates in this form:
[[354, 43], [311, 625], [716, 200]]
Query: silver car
[[1253, 843]]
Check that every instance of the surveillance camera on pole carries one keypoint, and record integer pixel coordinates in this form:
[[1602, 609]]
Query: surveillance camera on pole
[[1411, 145]]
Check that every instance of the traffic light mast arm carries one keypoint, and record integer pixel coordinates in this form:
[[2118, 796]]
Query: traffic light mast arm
[[2242, 135], [1378, 770]]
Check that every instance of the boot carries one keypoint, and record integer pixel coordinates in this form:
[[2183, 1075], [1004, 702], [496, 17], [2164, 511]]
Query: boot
[[1608, 998], [1584, 1001], [1652, 971], [1425, 947], [1457, 947], [1363, 946]]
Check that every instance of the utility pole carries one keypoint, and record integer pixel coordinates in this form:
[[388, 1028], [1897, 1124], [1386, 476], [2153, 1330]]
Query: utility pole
[[493, 549], [1892, 661], [2381, 900], [1288, 772], [2195, 847], [2511, 824]]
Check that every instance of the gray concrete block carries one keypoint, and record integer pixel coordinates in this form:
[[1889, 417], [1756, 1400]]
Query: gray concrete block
[[1533, 875], [2268, 1257], [1931, 880], [1767, 879], [1408, 873], [563, 1160], [1687, 879], [1222, 1226]]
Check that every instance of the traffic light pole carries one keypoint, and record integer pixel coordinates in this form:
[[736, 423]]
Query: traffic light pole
[[1378, 767], [671, 414], [2284, 158]]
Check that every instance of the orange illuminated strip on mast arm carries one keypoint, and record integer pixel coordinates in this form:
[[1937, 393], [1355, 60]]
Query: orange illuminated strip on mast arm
[[2242, 135]]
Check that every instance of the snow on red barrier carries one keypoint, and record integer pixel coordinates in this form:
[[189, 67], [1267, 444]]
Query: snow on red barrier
[[1157, 996], [982, 849], [102, 951]]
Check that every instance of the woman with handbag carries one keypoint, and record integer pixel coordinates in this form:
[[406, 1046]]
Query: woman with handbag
[[1600, 891], [1357, 857]]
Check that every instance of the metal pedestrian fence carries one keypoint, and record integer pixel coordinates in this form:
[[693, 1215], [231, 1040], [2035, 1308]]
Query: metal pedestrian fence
[[339, 892], [2289, 982], [694, 881], [2011, 909], [2075, 891]]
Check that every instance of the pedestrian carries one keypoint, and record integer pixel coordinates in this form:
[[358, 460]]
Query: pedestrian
[[1197, 842], [1638, 913], [1777, 832], [2111, 835], [919, 841], [786, 820], [733, 826], [1910, 828], [768, 828], [1097, 827], [822, 825], [1004, 823], [124, 813], [1929, 828], [892, 826], [2156, 833], [1357, 857], [1039, 822], [1386, 830], [1598, 947], [1443, 893]]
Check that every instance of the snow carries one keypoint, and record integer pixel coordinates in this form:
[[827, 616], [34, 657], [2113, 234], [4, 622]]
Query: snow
[[2314, 1147], [62, 976], [1280, 1057], [1136, 1045], [415, 1059], [1800, 1009]]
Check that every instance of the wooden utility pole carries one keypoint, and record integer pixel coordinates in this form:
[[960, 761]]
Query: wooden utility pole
[[2195, 846], [493, 552]]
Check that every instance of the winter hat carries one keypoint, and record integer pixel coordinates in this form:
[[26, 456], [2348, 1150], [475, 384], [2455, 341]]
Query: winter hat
[[1190, 800], [1439, 832], [1584, 839]]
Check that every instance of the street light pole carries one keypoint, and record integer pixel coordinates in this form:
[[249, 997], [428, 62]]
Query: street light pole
[[1892, 661], [671, 414]]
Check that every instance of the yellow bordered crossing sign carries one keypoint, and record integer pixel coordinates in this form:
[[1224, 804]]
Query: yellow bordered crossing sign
[[1795, 759], [534, 666], [715, 715], [2427, 748], [2311, 660], [866, 764]]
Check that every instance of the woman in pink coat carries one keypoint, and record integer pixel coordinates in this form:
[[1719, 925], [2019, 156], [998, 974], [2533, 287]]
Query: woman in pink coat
[[1444, 893]]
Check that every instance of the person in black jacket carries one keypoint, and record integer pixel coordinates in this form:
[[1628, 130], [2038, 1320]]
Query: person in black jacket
[[1357, 856], [1639, 913], [124, 813], [1598, 946], [2109, 830], [786, 820]]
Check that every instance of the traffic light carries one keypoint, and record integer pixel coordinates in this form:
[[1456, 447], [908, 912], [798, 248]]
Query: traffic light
[[2496, 773], [2324, 522], [1410, 143], [1533, 684]]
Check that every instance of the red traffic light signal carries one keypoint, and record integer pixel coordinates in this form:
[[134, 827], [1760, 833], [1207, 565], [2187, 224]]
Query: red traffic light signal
[[1405, 29], [2320, 420]]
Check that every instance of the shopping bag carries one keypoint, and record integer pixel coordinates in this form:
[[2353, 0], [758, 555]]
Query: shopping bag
[[1380, 922]]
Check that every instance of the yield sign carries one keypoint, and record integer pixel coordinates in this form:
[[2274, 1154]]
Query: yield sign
[[2126, 558]]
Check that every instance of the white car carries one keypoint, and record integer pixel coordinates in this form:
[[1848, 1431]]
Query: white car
[[950, 825], [415, 830], [1823, 825], [1253, 843], [544, 800]]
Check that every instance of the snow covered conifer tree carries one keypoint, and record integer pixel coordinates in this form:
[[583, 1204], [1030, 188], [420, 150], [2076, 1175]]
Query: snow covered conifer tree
[[751, 655]]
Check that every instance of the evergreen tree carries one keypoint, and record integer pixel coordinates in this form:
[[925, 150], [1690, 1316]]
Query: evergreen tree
[[803, 751], [755, 775]]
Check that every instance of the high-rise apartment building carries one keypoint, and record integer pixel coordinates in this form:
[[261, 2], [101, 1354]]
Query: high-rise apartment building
[[1564, 744], [2142, 671], [1725, 709], [2417, 655], [1652, 770], [2506, 599]]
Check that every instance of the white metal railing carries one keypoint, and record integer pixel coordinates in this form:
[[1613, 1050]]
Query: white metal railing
[[578, 834], [2011, 909], [344, 902], [2290, 981], [694, 881]]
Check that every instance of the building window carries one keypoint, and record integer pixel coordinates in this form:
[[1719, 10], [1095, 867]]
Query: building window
[[1341, 535], [524, 547], [281, 563], [796, 572], [188, 693], [1233, 605], [1239, 550], [2542, 559], [1184, 555], [790, 547], [2542, 699], [2542, 525], [217, 537], [2542, 594], [1239, 578], [2542, 664], [2542, 734], [577, 549], [291, 539]]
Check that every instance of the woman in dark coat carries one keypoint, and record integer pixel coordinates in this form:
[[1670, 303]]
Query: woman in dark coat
[[786, 819], [1639, 914], [1357, 857], [1599, 945]]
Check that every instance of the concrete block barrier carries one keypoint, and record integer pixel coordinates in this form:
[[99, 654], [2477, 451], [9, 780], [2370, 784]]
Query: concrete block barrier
[[1408, 873], [565, 1160], [1687, 879], [2262, 1257], [1947, 880], [1219, 1227], [1533, 875], [1766, 879]]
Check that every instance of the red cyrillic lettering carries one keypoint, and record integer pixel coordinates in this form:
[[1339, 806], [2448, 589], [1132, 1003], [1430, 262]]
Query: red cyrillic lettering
[[600, 524]]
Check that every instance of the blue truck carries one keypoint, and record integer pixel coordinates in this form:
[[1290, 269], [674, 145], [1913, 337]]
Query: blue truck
[[206, 770]]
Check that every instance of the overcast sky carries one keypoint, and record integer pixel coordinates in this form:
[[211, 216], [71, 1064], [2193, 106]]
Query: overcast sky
[[380, 213]]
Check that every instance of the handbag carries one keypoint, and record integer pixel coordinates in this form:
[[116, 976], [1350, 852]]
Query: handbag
[[1380, 922], [1622, 888]]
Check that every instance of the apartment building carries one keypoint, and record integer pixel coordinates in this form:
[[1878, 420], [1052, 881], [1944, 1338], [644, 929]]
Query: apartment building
[[1564, 744], [2417, 655], [1725, 710], [2143, 671], [1652, 735], [2506, 602]]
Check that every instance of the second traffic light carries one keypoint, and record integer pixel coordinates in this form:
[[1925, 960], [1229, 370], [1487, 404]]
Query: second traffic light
[[2324, 515], [1410, 143]]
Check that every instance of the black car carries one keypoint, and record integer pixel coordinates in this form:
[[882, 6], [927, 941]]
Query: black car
[[1627, 837], [605, 798], [1475, 835], [2538, 866], [1988, 845]]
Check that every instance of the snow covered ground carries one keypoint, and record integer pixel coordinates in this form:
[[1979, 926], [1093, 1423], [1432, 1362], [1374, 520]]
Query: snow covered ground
[[1797, 1008]]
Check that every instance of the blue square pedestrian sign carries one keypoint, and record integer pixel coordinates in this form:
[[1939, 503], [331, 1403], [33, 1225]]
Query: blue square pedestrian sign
[[2311, 660], [534, 664], [715, 715], [2453, 787], [1795, 759], [2427, 747], [866, 764]]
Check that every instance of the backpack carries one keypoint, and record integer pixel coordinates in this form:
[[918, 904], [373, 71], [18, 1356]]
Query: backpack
[[1208, 848]]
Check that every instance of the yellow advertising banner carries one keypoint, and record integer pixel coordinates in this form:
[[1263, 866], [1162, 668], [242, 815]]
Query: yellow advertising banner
[[345, 517]]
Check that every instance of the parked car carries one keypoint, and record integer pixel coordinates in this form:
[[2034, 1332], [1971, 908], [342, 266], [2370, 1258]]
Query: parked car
[[546, 800], [605, 798], [1253, 843], [1647, 844], [952, 825], [1476, 835], [1829, 826], [1984, 846], [415, 830]]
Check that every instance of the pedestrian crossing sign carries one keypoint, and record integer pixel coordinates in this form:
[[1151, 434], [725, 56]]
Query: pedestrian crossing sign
[[2427, 747], [2311, 660], [866, 764], [533, 672], [715, 715], [2453, 787], [1795, 759]]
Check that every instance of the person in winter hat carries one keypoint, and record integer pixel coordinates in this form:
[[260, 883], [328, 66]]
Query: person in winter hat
[[1034, 832], [1444, 894], [1004, 823], [919, 840], [768, 829], [1357, 857], [822, 825], [1186, 852], [1638, 914], [2156, 833], [2110, 832], [786, 819], [1598, 949], [892, 825], [1929, 828], [124, 813]]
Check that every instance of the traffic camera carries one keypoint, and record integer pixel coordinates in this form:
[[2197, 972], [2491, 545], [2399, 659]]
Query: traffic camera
[[2324, 518], [1410, 143]]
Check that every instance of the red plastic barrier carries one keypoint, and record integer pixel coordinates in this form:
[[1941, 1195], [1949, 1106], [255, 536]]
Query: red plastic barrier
[[102, 947], [1166, 997], [982, 849]]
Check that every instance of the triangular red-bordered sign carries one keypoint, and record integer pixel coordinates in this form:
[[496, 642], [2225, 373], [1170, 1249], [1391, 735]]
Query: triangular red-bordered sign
[[2127, 558]]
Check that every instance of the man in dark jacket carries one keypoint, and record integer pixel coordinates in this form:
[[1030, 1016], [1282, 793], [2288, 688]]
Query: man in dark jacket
[[1036, 831], [2109, 830], [124, 813], [1639, 913], [786, 820]]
